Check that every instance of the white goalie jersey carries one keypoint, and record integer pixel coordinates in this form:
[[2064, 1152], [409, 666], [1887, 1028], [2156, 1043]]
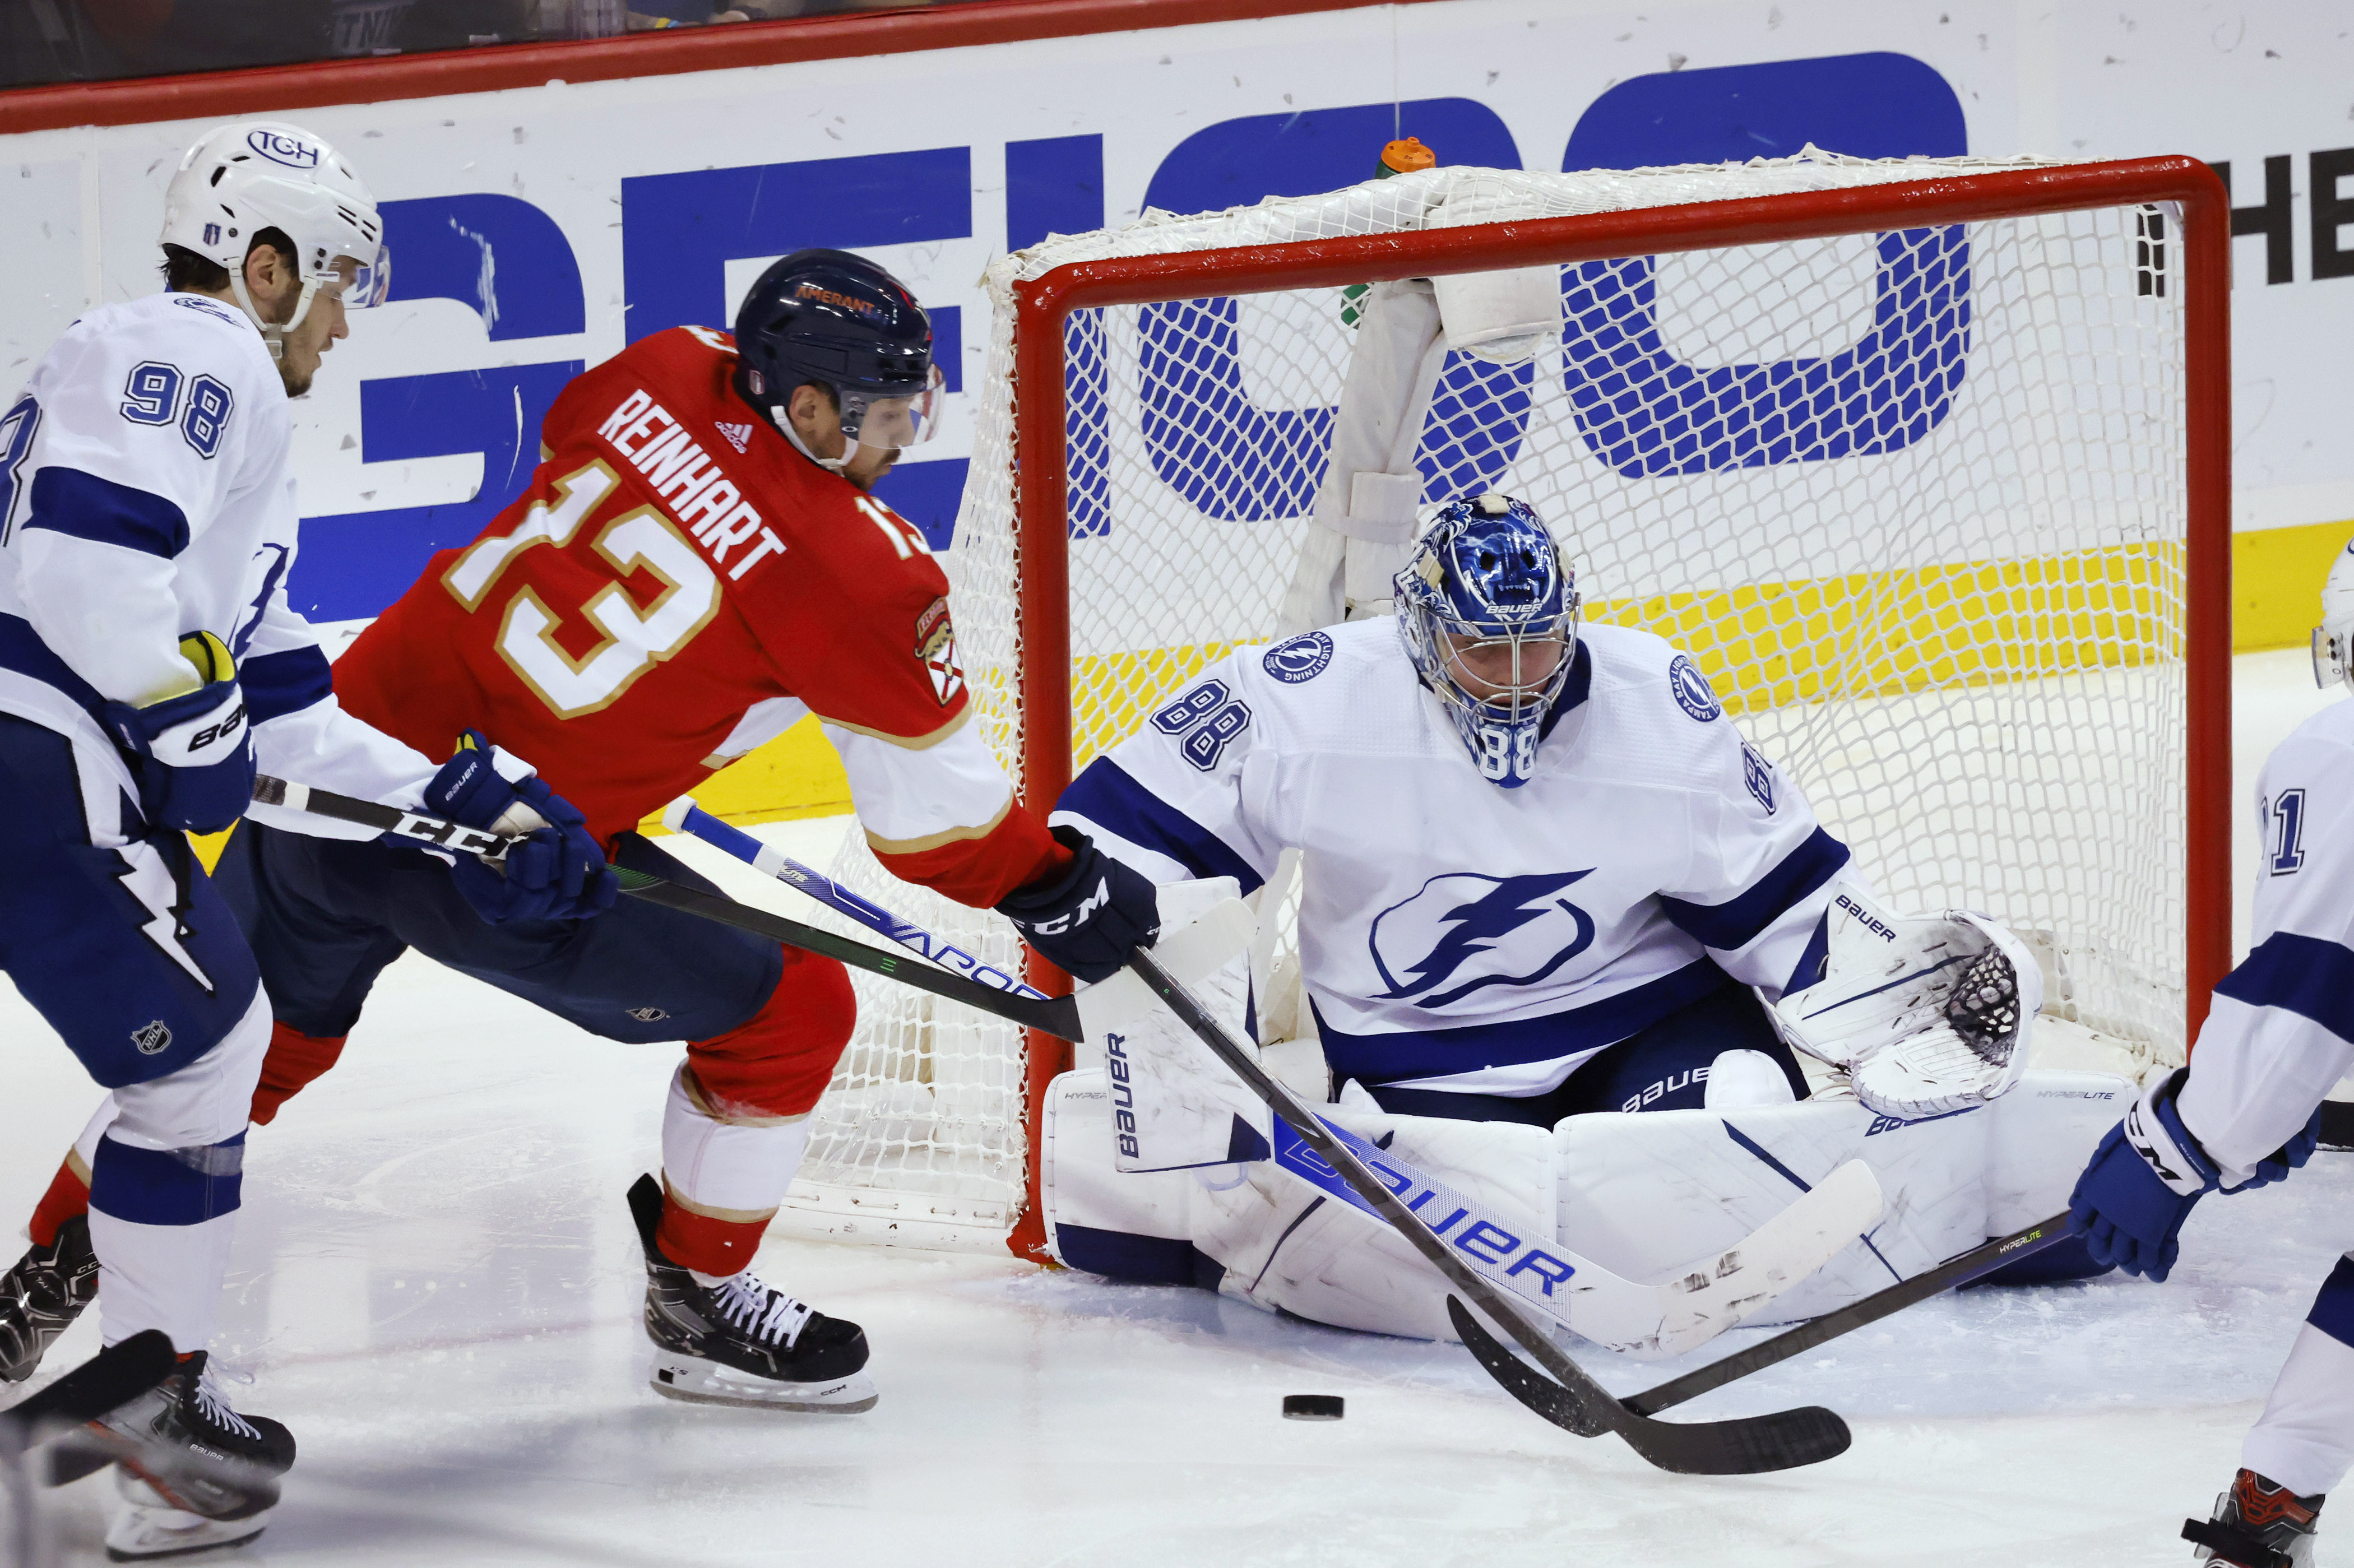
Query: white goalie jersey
[[1454, 935]]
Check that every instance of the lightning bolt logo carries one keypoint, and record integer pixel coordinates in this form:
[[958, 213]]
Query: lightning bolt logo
[[1471, 927]]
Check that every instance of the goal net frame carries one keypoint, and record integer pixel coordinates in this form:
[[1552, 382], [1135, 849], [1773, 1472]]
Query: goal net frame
[[1041, 478]]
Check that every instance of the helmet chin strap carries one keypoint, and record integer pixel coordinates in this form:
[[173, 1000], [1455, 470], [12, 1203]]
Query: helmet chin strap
[[778, 418], [272, 334]]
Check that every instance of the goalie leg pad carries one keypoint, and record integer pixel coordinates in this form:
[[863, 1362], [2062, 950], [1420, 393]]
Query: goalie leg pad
[[1287, 1246], [1136, 1227], [1640, 1195]]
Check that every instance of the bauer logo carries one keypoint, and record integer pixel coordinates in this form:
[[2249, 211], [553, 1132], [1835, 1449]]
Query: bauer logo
[[1694, 693], [1464, 932], [1497, 1251], [1303, 658], [280, 148]]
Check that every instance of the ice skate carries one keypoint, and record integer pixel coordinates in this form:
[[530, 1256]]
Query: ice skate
[[192, 1473], [741, 1341], [2256, 1525], [41, 1296]]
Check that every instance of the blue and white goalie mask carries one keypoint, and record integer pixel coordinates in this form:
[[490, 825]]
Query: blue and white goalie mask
[[1489, 613]]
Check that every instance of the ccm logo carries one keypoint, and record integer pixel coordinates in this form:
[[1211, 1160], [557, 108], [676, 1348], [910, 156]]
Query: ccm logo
[[221, 731], [1870, 923]]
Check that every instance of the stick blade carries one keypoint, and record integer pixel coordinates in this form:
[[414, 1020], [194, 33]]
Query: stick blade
[[1524, 1383], [114, 1377], [1749, 1447]]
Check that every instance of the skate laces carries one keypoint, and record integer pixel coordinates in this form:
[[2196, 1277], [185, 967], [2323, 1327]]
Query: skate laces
[[761, 1311], [213, 1405]]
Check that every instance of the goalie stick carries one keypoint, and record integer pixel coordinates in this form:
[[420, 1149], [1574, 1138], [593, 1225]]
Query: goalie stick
[[1743, 1446]]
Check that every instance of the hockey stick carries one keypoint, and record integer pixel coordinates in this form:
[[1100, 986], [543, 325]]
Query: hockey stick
[[115, 1376], [1955, 1271], [684, 816], [1743, 1446], [1059, 1016]]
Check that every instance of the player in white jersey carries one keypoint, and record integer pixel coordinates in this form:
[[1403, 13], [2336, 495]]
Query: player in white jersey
[[1597, 914], [149, 666], [2247, 1111]]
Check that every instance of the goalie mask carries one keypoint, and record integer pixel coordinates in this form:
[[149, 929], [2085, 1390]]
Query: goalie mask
[[2333, 639], [1488, 611], [839, 321], [266, 174]]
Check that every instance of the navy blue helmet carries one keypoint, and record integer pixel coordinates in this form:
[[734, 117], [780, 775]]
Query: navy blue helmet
[[1488, 611], [839, 321]]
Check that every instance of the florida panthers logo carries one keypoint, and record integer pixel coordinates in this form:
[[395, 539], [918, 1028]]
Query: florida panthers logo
[[1463, 931]]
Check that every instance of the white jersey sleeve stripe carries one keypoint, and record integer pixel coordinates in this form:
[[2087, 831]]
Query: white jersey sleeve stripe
[[1105, 800], [87, 506]]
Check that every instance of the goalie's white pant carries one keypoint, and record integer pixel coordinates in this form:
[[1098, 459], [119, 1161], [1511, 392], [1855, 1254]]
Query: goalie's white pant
[[1639, 1194]]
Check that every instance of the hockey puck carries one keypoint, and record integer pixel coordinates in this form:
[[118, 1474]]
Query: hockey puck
[[1311, 1407]]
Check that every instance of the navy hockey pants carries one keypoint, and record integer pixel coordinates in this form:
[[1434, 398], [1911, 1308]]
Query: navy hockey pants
[[325, 917], [1663, 1068]]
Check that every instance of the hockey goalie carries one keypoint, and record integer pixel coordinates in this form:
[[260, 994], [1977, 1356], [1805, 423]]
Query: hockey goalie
[[1563, 936]]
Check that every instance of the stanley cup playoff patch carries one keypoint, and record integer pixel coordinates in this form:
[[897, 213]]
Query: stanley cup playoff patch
[[935, 647]]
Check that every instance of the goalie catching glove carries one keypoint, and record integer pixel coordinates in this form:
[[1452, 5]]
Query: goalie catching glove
[[1925, 1015]]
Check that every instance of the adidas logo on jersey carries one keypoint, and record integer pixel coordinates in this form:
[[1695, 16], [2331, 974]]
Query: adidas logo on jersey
[[738, 435]]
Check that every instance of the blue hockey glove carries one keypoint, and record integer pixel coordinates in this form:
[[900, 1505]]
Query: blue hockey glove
[[1088, 919], [556, 873], [2148, 1173], [192, 754]]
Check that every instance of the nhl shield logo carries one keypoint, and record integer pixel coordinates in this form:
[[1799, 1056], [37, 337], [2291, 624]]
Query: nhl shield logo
[[647, 1014], [152, 1039]]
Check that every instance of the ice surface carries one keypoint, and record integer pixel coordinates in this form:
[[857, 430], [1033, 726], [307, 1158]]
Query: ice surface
[[436, 1286]]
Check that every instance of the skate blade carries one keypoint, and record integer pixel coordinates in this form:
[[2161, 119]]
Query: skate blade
[[703, 1382], [144, 1528]]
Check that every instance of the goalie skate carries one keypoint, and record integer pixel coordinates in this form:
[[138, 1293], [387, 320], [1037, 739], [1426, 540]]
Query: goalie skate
[[741, 1341], [41, 1296]]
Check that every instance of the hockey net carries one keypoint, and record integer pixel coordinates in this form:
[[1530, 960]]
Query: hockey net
[[1905, 454]]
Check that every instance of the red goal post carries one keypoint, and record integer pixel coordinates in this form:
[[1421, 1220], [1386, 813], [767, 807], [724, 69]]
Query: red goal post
[[1044, 306]]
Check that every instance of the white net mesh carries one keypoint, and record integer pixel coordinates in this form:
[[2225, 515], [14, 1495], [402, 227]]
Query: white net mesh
[[1915, 501]]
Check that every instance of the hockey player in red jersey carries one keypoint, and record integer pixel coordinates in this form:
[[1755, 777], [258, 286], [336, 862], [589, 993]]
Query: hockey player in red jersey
[[696, 565]]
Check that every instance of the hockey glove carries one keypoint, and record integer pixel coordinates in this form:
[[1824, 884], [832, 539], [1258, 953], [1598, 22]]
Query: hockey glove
[[1088, 919], [557, 872], [193, 754], [2150, 1172], [1927, 1016]]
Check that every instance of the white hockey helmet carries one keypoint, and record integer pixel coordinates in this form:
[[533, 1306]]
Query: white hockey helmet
[[2333, 639], [265, 174]]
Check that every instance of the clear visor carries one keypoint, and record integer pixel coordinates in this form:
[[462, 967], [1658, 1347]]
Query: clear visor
[[894, 424], [371, 282]]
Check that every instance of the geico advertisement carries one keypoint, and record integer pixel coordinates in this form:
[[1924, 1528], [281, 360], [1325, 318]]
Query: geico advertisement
[[539, 230]]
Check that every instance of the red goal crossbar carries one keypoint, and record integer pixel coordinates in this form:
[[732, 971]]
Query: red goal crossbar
[[1041, 458]]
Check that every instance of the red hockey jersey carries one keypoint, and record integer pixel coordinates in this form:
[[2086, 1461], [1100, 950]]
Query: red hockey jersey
[[679, 585]]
